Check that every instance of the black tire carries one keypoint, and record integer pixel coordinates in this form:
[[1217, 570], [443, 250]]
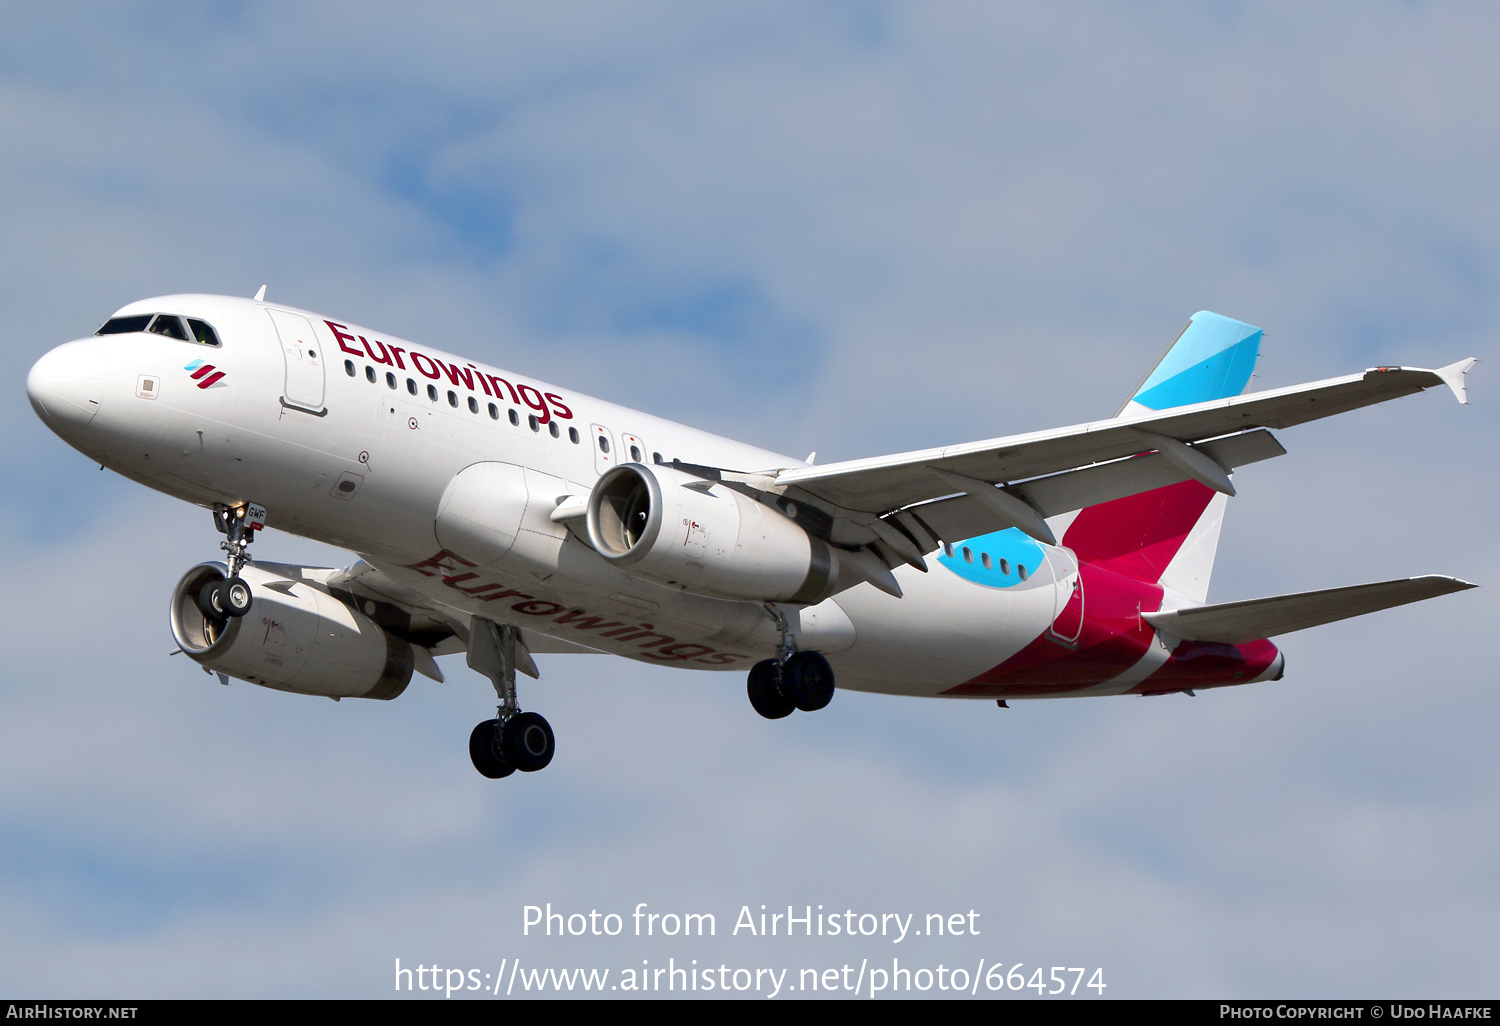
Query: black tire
[[528, 741], [808, 679], [210, 603], [235, 597], [765, 690], [485, 751]]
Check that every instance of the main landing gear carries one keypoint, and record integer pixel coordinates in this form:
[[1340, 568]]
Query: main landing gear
[[514, 740], [792, 680], [219, 600]]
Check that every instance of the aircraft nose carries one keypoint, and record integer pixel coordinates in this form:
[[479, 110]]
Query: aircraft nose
[[66, 387]]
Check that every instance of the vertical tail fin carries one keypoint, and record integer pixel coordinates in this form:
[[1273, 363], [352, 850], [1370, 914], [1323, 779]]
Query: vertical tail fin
[[1212, 358], [1170, 535]]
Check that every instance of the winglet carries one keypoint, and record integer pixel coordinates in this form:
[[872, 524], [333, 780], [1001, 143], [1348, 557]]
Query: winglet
[[260, 294], [1453, 377]]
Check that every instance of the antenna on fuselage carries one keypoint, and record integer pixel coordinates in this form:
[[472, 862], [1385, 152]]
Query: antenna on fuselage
[[260, 295]]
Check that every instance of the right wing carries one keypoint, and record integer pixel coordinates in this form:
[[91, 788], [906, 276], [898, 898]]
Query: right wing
[[1072, 467], [891, 482]]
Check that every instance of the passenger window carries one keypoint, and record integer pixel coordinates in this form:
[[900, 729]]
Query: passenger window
[[494, 412], [1021, 570], [166, 324], [635, 454], [349, 368], [390, 380], [536, 425], [203, 333], [453, 399], [948, 550], [573, 435], [124, 325], [603, 444], [473, 405], [984, 557], [554, 429], [411, 386], [968, 556], [656, 458], [1005, 567], [370, 374], [515, 420], [432, 392]]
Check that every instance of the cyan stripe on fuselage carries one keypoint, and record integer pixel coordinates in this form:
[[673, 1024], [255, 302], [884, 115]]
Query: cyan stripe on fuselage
[[1009, 551]]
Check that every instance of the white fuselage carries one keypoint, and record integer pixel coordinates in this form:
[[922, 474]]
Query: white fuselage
[[297, 425]]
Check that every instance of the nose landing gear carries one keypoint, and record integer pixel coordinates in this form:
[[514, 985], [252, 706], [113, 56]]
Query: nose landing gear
[[219, 600], [514, 740]]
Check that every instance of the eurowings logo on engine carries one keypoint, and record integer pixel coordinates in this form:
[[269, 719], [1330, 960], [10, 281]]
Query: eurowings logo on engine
[[205, 374]]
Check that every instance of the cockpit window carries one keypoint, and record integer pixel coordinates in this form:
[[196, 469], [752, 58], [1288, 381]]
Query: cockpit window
[[203, 332], [168, 325], [124, 325]]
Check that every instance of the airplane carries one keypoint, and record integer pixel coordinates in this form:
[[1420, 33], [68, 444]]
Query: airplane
[[503, 517]]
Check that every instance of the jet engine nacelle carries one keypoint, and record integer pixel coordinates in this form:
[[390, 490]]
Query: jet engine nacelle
[[705, 537], [296, 637]]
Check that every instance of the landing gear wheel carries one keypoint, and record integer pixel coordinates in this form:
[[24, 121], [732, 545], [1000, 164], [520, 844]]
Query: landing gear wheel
[[210, 603], [485, 751], [765, 690], [808, 680], [235, 597], [528, 742]]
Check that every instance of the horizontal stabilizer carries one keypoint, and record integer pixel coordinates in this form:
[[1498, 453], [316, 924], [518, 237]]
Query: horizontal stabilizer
[[1235, 623]]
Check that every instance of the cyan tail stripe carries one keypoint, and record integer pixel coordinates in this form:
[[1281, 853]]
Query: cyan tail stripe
[[1212, 359]]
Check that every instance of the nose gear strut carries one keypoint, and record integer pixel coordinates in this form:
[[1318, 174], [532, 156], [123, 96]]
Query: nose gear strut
[[231, 596]]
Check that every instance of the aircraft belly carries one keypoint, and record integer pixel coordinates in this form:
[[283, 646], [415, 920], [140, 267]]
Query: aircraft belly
[[679, 630], [943, 632]]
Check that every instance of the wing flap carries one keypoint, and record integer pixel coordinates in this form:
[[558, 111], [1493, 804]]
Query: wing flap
[[965, 517], [1235, 623], [884, 483]]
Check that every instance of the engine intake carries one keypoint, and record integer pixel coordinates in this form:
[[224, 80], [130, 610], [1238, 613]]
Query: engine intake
[[705, 537], [296, 637]]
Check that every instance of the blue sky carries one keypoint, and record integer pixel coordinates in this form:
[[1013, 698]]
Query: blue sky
[[855, 228]]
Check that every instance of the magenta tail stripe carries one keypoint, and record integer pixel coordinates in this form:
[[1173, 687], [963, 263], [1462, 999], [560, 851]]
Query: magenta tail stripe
[[206, 382], [1137, 536]]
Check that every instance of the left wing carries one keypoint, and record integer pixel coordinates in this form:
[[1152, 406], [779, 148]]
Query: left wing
[[432, 626]]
